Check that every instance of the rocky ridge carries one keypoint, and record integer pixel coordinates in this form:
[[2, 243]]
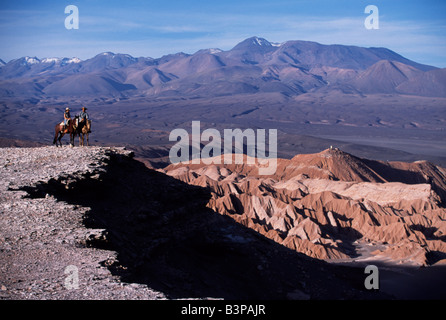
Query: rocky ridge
[[41, 237]]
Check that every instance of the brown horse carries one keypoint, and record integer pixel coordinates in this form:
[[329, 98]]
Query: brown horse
[[60, 132], [83, 129]]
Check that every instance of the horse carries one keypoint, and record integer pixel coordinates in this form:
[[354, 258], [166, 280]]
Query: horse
[[83, 129], [60, 132]]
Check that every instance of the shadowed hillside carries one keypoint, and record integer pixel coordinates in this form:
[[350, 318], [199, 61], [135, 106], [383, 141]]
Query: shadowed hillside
[[167, 238]]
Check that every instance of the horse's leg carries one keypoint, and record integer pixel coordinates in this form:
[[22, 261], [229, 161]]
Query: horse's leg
[[88, 142], [56, 135], [61, 134]]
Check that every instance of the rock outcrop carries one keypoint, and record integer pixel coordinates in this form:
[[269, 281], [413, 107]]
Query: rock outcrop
[[42, 238], [331, 204], [131, 232]]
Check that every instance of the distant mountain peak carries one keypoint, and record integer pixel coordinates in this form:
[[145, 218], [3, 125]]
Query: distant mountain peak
[[210, 51], [31, 60], [61, 61], [27, 61], [71, 60], [253, 42], [113, 55], [261, 42]]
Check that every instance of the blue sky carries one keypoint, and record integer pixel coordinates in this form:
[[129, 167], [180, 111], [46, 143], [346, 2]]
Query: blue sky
[[416, 29]]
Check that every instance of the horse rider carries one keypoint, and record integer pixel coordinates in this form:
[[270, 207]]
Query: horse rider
[[83, 116], [66, 118]]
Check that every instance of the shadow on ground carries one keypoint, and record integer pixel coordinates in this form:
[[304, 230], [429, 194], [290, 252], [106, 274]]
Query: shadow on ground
[[167, 238]]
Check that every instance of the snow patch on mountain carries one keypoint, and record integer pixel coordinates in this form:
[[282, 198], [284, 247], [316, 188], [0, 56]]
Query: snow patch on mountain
[[31, 60], [72, 60], [261, 42], [215, 50], [34, 60], [50, 60]]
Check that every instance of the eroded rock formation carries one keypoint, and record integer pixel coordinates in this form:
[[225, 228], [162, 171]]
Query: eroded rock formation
[[332, 204]]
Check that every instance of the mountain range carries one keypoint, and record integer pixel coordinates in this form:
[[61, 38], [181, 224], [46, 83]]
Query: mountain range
[[255, 65]]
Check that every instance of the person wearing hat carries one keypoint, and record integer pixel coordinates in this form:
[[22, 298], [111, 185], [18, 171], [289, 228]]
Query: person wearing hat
[[83, 116], [66, 118]]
